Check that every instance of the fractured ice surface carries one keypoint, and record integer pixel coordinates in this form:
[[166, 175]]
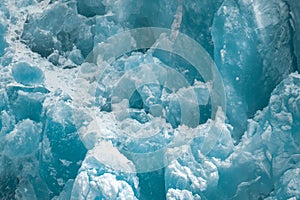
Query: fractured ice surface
[[2, 36], [90, 8], [62, 151], [295, 8], [27, 75], [255, 63], [45, 33], [66, 132], [26, 135], [181, 194], [266, 156], [98, 179]]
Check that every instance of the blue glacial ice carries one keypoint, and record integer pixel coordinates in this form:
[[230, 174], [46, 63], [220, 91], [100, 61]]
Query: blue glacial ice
[[247, 68], [117, 129], [27, 75], [2, 36], [295, 8], [97, 177], [257, 167]]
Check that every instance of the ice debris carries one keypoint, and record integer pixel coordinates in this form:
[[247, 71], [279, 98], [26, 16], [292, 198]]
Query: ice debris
[[260, 166], [51, 149]]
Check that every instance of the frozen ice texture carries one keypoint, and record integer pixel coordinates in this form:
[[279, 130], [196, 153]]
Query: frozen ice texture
[[173, 194], [44, 33], [97, 177], [2, 35], [26, 74], [295, 13], [261, 57], [263, 161], [26, 135], [90, 8], [61, 149], [52, 147]]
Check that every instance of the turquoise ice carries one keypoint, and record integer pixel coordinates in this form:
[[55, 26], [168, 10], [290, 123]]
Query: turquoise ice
[[76, 126]]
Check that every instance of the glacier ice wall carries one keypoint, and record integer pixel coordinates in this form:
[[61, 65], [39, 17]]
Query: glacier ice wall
[[247, 67], [53, 146], [295, 12]]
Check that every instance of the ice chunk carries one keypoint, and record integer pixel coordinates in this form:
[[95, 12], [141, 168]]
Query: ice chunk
[[173, 194], [195, 172], [99, 176], [288, 185], [105, 186], [26, 74], [194, 177], [76, 56], [57, 28], [25, 104], [24, 139], [90, 8], [105, 26], [19, 161], [62, 150]]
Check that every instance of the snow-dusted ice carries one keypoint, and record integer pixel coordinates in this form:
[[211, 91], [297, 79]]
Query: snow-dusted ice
[[80, 120]]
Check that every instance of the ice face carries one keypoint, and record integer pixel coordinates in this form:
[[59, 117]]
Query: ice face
[[62, 151], [2, 37], [249, 72], [143, 124], [294, 6], [269, 133]]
